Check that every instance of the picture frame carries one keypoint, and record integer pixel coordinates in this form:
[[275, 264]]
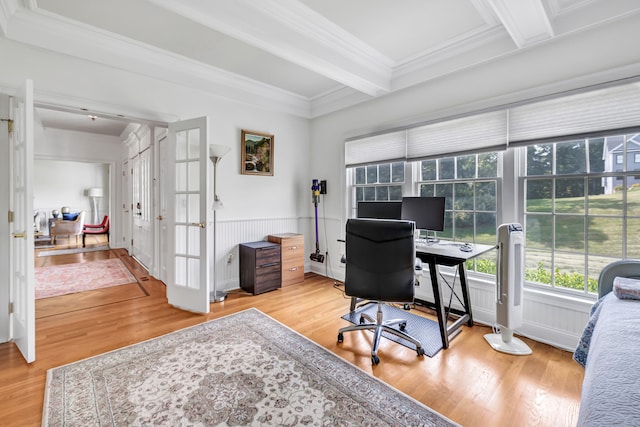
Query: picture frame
[[257, 153]]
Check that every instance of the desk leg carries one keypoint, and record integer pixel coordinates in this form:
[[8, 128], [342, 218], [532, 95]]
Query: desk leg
[[465, 291], [437, 295]]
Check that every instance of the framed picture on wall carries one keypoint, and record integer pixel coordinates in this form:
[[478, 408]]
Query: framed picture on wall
[[257, 153]]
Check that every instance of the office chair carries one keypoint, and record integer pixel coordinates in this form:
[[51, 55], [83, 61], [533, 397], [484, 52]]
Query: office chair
[[380, 256]]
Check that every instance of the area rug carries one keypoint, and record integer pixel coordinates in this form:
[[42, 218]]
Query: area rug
[[239, 370], [73, 250], [64, 279], [424, 330]]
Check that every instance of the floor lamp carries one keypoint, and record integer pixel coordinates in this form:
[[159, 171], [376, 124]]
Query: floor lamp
[[94, 194], [215, 154]]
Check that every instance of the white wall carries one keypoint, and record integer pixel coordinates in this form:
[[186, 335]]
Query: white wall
[[58, 183]]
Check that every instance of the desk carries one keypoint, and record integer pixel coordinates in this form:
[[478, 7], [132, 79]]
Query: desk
[[450, 255]]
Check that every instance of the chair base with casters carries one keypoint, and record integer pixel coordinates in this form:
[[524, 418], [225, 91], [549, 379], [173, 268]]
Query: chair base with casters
[[378, 326]]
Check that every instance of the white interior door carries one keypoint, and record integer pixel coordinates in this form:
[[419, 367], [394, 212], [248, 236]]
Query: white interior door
[[23, 318], [142, 208], [126, 205], [163, 205], [187, 272]]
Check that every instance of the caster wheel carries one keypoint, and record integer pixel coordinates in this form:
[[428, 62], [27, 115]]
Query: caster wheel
[[403, 326], [340, 337], [375, 359], [407, 307], [420, 351]]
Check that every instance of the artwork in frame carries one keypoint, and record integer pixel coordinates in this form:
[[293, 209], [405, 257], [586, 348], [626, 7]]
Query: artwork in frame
[[257, 153]]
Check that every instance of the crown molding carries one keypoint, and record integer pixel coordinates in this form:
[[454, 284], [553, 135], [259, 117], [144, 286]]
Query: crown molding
[[52, 32]]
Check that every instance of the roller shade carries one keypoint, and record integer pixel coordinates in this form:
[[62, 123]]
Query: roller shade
[[473, 134], [375, 149], [586, 114]]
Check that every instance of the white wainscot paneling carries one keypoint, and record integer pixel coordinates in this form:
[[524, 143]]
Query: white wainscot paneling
[[550, 318], [232, 233]]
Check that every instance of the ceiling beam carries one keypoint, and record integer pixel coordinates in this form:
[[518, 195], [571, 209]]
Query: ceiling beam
[[292, 31], [526, 21]]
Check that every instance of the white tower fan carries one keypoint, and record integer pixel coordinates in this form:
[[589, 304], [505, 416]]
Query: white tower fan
[[510, 281]]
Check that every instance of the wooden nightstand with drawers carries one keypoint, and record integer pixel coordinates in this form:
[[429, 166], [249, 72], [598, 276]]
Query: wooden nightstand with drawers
[[292, 252]]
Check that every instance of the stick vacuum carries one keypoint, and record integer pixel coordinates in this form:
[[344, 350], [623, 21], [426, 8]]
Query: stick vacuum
[[315, 191]]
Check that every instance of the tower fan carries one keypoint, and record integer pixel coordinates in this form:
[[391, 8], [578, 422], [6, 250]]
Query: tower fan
[[510, 281]]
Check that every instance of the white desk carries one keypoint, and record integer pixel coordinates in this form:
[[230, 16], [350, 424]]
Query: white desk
[[449, 254]]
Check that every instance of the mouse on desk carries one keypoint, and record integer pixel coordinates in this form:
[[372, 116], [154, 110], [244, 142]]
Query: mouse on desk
[[466, 247]]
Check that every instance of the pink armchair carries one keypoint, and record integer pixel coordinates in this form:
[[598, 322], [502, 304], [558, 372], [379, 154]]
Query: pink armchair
[[61, 227]]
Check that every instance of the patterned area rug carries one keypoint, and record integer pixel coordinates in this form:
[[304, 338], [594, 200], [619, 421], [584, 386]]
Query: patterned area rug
[[65, 279], [243, 369]]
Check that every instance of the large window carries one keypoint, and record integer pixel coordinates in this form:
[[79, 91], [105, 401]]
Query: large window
[[469, 183], [554, 165], [379, 182], [581, 209]]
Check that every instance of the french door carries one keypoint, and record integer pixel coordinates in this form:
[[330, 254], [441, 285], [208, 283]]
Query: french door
[[22, 281], [188, 274]]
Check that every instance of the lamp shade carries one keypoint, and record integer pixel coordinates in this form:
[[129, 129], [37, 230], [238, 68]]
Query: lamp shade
[[216, 151], [95, 192]]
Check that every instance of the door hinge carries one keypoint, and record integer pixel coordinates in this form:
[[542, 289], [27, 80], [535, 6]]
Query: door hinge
[[9, 124], [10, 216], [131, 242], [10, 308]]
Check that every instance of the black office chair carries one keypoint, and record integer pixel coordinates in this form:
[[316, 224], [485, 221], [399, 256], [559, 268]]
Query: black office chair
[[380, 257]]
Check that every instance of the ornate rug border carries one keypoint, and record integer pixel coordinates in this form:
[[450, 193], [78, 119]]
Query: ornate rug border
[[251, 317]]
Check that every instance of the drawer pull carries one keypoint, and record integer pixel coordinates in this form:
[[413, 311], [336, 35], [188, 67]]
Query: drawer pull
[[293, 248], [271, 264], [293, 268]]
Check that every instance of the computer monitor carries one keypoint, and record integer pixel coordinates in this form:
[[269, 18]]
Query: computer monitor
[[379, 210], [426, 212]]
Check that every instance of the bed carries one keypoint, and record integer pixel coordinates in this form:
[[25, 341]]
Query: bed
[[610, 351]]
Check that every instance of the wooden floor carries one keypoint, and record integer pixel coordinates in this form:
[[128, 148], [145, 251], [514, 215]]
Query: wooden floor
[[469, 383]]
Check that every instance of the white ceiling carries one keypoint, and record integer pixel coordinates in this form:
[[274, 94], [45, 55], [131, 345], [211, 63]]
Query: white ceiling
[[305, 57]]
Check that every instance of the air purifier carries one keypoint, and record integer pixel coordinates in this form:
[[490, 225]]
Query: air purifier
[[509, 291]]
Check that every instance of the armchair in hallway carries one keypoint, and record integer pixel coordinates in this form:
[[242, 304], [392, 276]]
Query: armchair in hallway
[[96, 229], [62, 227]]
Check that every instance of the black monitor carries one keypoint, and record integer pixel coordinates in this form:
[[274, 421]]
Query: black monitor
[[379, 210], [426, 212]]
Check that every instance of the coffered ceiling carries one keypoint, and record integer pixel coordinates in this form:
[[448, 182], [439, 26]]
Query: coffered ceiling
[[307, 57]]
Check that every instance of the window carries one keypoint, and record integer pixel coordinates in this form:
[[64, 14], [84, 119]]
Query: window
[[470, 185], [379, 182], [580, 211], [568, 179]]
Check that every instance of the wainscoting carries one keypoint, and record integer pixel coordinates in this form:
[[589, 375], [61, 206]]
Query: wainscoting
[[549, 318]]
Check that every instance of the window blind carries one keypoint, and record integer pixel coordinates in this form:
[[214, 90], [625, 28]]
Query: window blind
[[584, 114], [473, 134], [386, 147]]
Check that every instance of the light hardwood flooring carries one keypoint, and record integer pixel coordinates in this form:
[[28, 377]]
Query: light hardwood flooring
[[469, 382]]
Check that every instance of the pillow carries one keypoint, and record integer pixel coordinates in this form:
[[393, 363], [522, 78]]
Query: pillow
[[626, 288], [70, 216]]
